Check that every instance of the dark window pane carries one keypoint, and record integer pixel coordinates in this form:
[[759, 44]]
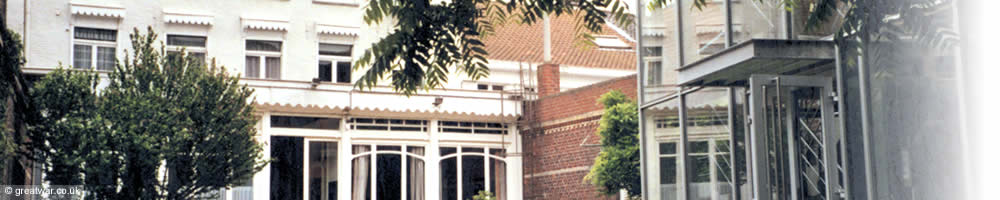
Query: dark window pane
[[483, 87], [388, 176], [449, 178], [722, 146], [82, 56], [305, 122], [325, 71], [388, 148], [700, 169], [668, 148], [95, 34], [653, 51], [286, 167], [263, 45], [323, 170], [473, 175], [698, 147], [335, 49], [467, 149], [498, 88], [343, 72], [448, 151], [722, 171], [668, 170], [186, 40]]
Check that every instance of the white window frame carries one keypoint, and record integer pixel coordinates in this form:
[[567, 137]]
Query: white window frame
[[190, 49], [262, 58], [373, 153], [94, 44], [333, 60], [647, 60], [458, 165]]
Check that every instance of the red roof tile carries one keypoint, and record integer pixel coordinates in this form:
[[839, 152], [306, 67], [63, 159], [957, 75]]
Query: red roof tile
[[517, 42]]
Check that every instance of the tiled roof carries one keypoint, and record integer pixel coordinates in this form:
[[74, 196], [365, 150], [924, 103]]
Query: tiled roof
[[517, 42]]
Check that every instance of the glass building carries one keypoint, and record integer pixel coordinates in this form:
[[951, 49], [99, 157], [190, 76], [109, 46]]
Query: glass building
[[739, 100]]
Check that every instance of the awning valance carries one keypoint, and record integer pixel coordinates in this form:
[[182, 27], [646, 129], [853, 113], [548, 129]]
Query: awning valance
[[97, 10], [265, 24], [337, 30], [187, 18]]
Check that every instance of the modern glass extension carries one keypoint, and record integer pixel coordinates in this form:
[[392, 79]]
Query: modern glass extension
[[740, 101]]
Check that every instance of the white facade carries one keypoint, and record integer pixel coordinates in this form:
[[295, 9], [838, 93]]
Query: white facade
[[48, 28]]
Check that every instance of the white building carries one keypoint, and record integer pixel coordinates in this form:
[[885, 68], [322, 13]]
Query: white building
[[437, 142]]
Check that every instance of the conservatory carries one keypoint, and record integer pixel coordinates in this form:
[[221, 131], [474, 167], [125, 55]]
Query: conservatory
[[739, 100]]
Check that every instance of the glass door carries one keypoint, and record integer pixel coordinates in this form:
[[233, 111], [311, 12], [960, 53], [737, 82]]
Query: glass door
[[794, 138]]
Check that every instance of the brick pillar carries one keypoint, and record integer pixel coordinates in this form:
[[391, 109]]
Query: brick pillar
[[548, 79]]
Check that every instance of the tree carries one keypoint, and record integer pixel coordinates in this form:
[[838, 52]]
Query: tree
[[17, 109], [171, 111], [430, 40], [617, 166]]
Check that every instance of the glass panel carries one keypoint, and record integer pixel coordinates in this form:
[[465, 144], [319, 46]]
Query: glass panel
[[323, 170], [361, 173], [82, 56], [274, 67], [388, 176], [415, 174], [449, 178], [703, 29], [344, 72], [740, 154], [707, 123], [95, 34], [186, 40], [498, 179], [263, 45], [668, 148], [253, 67], [286, 167], [305, 122], [473, 176], [335, 49], [199, 57], [661, 126], [757, 20], [659, 44], [448, 151], [388, 148], [105, 58], [469, 149]]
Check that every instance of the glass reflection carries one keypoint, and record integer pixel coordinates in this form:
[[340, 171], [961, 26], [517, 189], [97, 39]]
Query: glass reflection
[[708, 137]]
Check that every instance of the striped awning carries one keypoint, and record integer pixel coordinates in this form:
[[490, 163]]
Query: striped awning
[[97, 10], [265, 24], [337, 30], [187, 18]]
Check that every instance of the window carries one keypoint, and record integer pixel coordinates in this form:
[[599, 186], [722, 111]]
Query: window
[[387, 124], [263, 57], [286, 167], [335, 62], [653, 57], [378, 171], [489, 87], [193, 45], [323, 170], [305, 122], [472, 127], [476, 168], [94, 48], [668, 170]]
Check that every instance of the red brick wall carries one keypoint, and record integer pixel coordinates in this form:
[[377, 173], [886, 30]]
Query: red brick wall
[[561, 141], [548, 79]]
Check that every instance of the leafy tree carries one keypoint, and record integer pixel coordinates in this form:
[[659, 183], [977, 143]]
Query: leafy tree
[[14, 97], [430, 40], [68, 122], [617, 166], [171, 111], [484, 195]]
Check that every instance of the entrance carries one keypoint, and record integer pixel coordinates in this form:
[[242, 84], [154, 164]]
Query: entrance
[[794, 140]]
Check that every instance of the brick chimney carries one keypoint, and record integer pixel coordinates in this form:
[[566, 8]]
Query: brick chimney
[[548, 79]]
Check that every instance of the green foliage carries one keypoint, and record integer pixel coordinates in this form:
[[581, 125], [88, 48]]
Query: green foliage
[[484, 195], [173, 111], [430, 40], [12, 89], [617, 166]]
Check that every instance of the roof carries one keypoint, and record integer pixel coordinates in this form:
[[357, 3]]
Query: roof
[[518, 42]]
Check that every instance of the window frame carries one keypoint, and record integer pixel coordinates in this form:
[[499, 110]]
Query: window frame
[[188, 49], [262, 59], [333, 65], [458, 154], [94, 46]]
